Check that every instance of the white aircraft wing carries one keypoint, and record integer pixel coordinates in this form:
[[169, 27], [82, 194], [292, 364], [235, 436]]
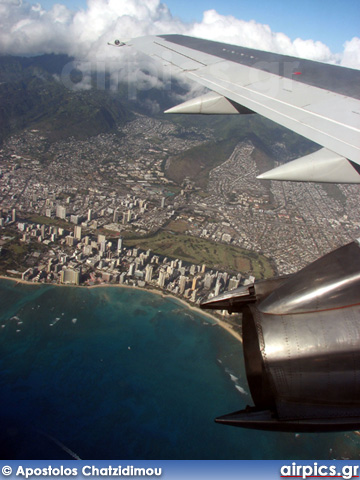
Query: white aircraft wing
[[318, 101]]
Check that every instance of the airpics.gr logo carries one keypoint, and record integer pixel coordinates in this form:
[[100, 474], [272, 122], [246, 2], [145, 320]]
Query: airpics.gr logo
[[315, 470]]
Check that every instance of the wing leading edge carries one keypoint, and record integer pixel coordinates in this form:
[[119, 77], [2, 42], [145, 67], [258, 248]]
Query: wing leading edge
[[318, 101]]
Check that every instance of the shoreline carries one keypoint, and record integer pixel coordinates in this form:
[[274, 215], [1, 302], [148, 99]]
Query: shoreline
[[223, 324]]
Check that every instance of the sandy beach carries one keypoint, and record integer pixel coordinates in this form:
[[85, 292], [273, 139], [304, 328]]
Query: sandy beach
[[221, 323]]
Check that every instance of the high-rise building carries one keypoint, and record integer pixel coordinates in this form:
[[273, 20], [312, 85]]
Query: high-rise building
[[217, 288], [71, 276], [22, 226], [182, 283], [77, 232], [69, 240], [195, 282], [148, 273], [87, 250], [162, 279], [208, 281], [233, 283], [120, 244], [163, 202], [116, 216], [193, 296], [13, 215], [89, 215], [101, 238], [61, 212]]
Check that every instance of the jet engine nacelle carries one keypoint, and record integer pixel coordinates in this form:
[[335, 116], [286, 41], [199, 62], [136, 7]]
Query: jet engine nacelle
[[301, 339]]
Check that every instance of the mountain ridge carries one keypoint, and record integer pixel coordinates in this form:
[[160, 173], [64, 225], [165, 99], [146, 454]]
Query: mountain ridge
[[32, 96]]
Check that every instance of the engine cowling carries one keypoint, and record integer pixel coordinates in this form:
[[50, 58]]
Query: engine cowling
[[301, 340]]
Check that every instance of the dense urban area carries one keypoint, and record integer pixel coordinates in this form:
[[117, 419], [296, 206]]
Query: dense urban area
[[104, 210]]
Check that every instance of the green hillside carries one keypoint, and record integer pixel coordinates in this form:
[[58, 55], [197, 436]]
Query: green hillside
[[32, 96]]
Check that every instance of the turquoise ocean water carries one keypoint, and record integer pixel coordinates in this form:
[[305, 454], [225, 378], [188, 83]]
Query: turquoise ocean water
[[115, 373]]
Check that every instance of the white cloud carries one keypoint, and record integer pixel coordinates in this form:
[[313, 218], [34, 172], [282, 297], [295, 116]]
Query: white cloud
[[351, 55], [27, 29], [255, 35]]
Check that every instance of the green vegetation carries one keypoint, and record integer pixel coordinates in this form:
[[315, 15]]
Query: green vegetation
[[197, 162], [12, 256], [334, 192], [200, 251], [49, 221], [178, 226], [32, 97]]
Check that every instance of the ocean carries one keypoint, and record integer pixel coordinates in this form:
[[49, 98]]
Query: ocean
[[119, 373]]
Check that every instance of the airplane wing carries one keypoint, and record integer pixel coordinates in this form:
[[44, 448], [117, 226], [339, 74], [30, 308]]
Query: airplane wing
[[301, 334], [318, 101]]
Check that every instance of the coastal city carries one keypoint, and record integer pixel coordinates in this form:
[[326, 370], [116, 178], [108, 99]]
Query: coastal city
[[75, 208]]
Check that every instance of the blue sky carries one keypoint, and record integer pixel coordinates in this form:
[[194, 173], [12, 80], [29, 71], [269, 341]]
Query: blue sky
[[331, 22]]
